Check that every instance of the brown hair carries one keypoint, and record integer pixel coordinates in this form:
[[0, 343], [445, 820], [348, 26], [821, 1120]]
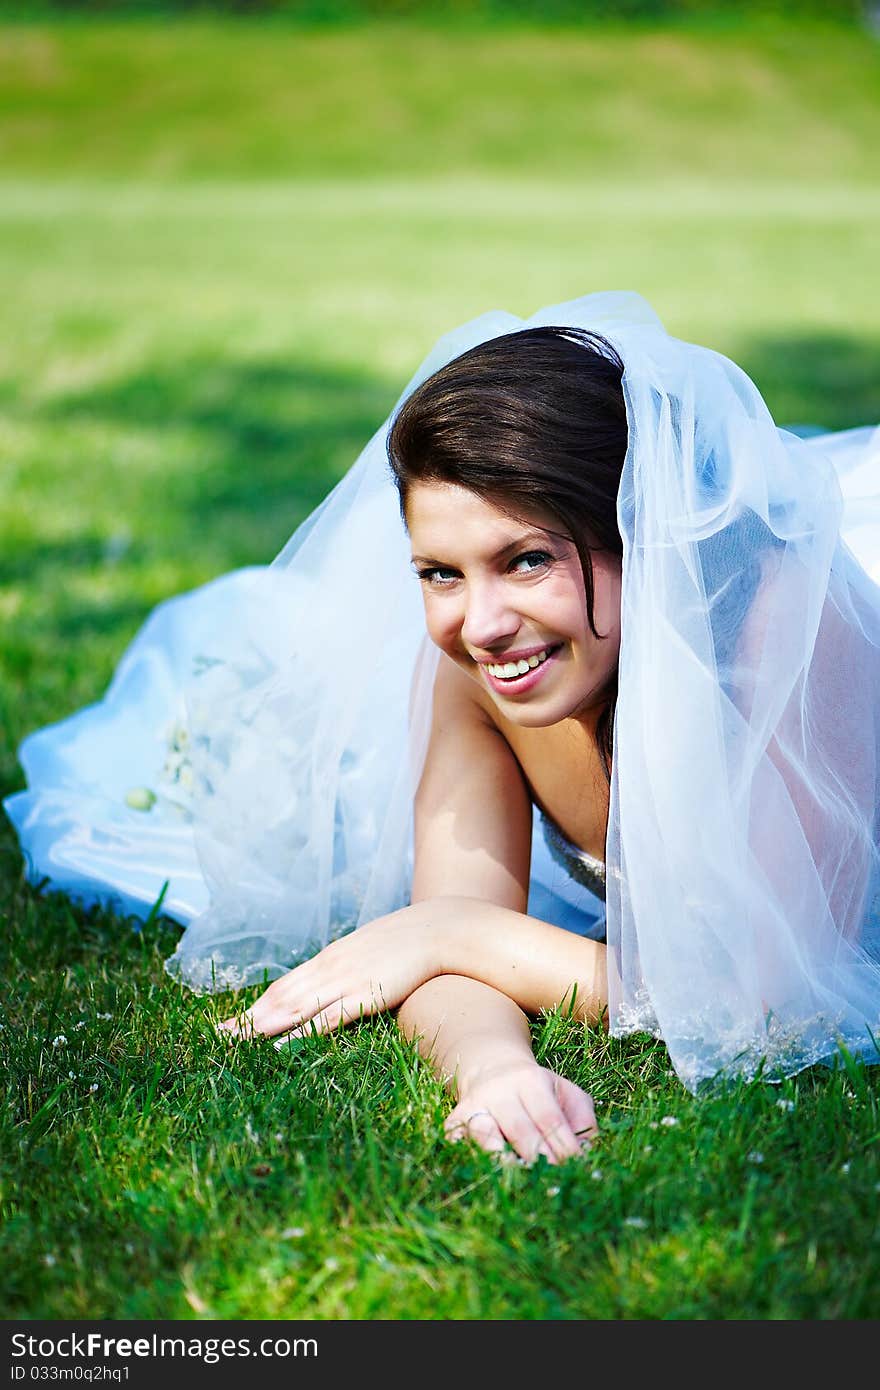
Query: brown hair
[[534, 419]]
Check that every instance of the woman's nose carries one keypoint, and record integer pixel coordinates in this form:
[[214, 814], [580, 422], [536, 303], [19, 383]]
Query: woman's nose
[[489, 618]]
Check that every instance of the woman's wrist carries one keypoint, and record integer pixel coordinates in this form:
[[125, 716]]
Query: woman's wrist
[[485, 1061], [465, 1029]]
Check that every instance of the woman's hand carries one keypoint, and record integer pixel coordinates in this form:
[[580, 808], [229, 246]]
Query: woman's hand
[[526, 1107], [371, 969]]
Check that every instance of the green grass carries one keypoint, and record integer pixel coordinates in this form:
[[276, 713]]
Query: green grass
[[223, 249], [250, 1184]]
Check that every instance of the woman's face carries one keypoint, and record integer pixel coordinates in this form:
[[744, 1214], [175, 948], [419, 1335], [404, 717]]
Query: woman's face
[[504, 598]]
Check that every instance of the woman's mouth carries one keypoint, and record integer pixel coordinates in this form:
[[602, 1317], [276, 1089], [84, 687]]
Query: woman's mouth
[[517, 677]]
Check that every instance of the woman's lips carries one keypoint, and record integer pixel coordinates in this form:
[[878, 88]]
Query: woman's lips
[[520, 685]]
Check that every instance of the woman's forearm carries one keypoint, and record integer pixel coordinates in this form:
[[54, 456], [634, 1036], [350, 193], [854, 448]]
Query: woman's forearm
[[537, 965], [465, 1029]]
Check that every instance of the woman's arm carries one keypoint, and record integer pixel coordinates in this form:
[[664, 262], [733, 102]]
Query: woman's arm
[[461, 966], [377, 967], [537, 965], [467, 917], [473, 824], [478, 1041]]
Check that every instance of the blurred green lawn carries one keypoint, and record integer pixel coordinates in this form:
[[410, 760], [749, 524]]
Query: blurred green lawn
[[224, 249]]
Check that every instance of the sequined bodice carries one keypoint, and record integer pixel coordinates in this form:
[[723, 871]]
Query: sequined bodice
[[582, 867]]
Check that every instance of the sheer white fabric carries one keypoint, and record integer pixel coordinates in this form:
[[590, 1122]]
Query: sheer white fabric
[[743, 865], [743, 833]]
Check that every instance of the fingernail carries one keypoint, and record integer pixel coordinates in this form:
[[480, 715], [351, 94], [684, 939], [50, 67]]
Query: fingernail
[[511, 1160]]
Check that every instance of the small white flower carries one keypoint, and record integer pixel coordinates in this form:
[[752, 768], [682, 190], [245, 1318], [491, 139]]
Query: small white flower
[[129, 1248], [186, 778], [49, 1260], [669, 1121], [845, 1167], [280, 1136], [653, 1125], [331, 1263], [59, 1041], [596, 1175], [105, 1017], [552, 1191], [251, 1132], [78, 1026], [293, 1233], [785, 1104], [638, 1223], [93, 1088], [72, 1075], [648, 1149], [755, 1156]]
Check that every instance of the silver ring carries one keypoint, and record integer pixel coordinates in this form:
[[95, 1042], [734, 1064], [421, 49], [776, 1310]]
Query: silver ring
[[476, 1114]]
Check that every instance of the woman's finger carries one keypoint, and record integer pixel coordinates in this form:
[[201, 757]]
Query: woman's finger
[[278, 1013], [523, 1134], [279, 1004], [557, 1138], [480, 1126], [326, 1018], [579, 1110], [272, 1007], [273, 1014], [509, 1127]]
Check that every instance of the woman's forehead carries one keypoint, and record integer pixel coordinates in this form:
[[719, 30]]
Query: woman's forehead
[[441, 507]]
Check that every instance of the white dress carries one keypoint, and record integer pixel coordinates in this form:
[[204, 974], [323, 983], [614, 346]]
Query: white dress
[[231, 771]]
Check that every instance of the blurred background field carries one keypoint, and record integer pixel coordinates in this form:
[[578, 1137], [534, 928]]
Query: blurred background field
[[226, 240]]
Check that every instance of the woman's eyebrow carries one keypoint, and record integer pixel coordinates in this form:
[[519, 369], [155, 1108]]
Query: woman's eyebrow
[[530, 538]]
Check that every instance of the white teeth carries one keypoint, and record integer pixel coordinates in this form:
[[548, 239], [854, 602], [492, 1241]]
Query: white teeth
[[507, 670]]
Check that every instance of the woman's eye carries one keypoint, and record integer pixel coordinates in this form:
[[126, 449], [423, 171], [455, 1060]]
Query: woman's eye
[[438, 575], [532, 560]]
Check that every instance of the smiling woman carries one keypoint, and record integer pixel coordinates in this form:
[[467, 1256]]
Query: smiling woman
[[617, 747]]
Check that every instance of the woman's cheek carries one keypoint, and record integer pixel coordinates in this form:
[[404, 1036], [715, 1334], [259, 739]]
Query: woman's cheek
[[440, 630]]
